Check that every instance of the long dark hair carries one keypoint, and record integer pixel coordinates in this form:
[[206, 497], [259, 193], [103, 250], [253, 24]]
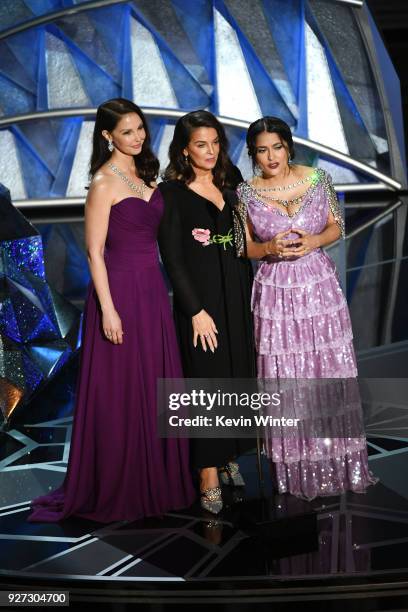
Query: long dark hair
[[274, 125], [225, 173], [107, 117]]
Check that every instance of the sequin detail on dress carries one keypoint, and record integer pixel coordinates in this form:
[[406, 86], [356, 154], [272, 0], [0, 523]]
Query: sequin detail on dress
[[303, 331], [239, 221], [320, 177], [333, 202]]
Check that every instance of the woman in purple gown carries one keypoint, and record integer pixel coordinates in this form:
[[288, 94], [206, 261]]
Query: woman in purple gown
[[301, 318], [118, 468]]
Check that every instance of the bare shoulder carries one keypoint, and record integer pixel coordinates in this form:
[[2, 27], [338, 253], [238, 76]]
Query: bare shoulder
[[102, 188], [104, 177]]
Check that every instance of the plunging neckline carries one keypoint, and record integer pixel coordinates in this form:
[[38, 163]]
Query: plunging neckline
[[206, 199], [271, 207]]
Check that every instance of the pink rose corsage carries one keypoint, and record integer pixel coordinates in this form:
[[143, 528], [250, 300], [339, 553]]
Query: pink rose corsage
[[202, 235]]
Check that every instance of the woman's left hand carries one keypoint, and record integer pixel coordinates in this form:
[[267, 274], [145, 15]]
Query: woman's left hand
[[304, 245]]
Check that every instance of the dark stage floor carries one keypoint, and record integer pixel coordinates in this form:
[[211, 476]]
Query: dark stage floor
[[263, 546], [253, 538]]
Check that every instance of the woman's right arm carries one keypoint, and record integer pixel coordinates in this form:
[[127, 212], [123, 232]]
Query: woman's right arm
[[171, 248], [97, 211], [259, 250], [254, 249]]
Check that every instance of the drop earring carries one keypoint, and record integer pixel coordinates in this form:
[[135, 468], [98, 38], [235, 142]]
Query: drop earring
[[186, 159], [257, 170], [110, 146]]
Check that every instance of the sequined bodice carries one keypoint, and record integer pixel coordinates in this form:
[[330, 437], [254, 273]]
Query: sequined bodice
[[268, 220]]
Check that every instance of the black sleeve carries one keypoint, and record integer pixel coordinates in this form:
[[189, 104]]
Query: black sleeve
[[170, 243]]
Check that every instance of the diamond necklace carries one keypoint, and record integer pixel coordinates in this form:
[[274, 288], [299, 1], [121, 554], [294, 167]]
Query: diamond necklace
[[138, 188], [285, 203], [286, 187]]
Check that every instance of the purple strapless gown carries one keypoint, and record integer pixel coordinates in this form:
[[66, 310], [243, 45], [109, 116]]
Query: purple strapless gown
[[303, 331], [118, 468]]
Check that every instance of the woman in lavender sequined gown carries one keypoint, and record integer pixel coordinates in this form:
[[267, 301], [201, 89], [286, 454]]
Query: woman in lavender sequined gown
[[118, 468], [301, 318]]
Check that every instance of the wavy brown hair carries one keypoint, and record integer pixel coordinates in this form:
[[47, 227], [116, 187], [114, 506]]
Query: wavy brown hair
[[108, 116], [225, 173]]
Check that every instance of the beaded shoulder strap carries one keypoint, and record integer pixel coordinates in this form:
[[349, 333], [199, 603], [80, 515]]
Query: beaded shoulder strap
[[240, 217], [244, 192], [334, 204]]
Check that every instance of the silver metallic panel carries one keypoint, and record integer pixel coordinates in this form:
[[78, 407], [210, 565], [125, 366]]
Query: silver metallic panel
[[151, 82], [79, 173], [252, 21], [168, 22], [236, 94], [10, 168], [324, 122], [64, 83], [346, 43]]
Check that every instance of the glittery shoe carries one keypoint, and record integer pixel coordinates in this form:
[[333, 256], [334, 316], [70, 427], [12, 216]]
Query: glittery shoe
[[230, 475], [211, 500]]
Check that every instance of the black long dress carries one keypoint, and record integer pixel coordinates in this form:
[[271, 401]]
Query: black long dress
[[212, 278]]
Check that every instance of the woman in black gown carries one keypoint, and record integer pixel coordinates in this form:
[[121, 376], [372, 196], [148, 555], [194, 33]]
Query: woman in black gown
[[211, 284]]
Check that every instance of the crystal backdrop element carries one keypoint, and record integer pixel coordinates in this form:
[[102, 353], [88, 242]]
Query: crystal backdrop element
[[306, 61], [39, 329]]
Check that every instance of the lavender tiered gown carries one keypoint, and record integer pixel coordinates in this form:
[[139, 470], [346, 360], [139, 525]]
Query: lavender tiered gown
[[119, 469], [303, 331]]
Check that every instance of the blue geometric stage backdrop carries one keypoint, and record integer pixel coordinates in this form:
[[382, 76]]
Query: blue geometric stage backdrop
[[318, 64], [39, 329]]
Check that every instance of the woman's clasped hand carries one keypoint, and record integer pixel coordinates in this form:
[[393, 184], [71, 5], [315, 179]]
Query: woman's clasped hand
[[284, 247]]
